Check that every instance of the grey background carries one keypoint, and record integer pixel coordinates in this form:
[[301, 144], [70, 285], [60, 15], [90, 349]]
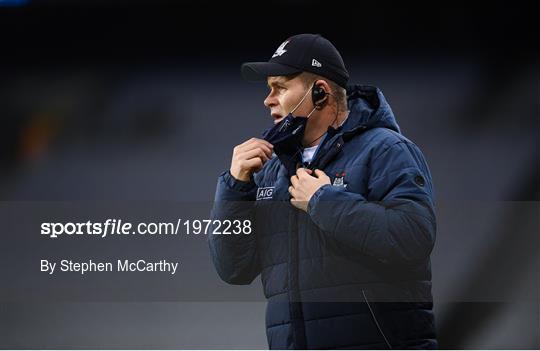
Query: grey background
[[128, 102]]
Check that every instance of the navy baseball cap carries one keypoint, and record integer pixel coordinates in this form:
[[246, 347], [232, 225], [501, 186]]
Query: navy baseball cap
[[301, 53]]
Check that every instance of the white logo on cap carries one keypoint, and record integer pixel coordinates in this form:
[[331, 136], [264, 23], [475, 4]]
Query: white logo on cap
[[281, 50], [316, 63]]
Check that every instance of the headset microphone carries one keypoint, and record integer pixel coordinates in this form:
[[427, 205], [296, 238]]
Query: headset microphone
[[318, 97]]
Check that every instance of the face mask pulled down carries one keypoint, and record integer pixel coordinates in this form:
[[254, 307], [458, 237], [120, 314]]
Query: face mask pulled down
[[286, 136]]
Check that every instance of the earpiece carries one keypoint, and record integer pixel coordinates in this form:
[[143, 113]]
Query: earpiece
[[318, 95]]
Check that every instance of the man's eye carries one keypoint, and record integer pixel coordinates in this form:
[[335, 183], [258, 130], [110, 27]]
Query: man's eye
[[277, 88]]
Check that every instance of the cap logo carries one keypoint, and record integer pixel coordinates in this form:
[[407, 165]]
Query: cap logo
[[316, 63], [281, 50]]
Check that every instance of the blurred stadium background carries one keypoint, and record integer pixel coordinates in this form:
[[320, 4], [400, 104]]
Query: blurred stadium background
[[142, 100]]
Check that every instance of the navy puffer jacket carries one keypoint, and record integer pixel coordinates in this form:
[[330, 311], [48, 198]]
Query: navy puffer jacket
[[354, 271]]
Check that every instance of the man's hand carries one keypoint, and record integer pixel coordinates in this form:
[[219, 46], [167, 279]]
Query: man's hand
[[304, 184], [250, 157]]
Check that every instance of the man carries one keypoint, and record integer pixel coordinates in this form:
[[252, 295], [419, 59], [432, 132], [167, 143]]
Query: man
[[342, 208]]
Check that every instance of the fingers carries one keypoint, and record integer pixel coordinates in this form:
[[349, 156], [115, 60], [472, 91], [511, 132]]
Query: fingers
[[293, 191], [254, 163], [254, 142], [251, 149], [304, 172], [301, 173], [258, 152], [250, 156], [319, 173], [295, 181], [254, 145], [264, 147]]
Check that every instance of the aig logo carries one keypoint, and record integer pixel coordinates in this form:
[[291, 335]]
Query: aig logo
[[265, 193]]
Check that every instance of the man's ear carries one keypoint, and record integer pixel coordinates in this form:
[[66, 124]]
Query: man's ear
[[323, 89], [323, 84]]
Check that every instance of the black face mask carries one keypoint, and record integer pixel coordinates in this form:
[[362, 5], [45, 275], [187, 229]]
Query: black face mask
[[286, 136]]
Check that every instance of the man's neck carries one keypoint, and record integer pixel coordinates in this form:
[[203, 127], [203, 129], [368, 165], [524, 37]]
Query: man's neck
[[310, 141]]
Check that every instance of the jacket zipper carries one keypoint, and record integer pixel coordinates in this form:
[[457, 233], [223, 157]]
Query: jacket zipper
[[376, 321], [295, 304]]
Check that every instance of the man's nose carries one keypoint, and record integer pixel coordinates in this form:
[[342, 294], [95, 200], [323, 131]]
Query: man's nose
[[270, 101]]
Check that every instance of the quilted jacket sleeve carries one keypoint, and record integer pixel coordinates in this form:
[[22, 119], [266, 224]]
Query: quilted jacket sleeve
[[398, 224], [235, 256]]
